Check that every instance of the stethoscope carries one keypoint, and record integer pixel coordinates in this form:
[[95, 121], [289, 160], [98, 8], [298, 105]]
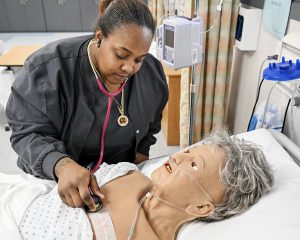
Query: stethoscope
[[110, 97]]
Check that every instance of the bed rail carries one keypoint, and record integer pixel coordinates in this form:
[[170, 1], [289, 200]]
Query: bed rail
[[287, 144]]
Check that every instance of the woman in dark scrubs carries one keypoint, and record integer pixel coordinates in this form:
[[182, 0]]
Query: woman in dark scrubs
[[57, 111]]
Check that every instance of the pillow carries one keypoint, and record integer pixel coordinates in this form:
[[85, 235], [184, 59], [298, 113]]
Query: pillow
[[275, 216]]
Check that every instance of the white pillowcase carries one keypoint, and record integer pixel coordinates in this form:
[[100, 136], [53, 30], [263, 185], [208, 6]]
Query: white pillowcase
[[275, 216]]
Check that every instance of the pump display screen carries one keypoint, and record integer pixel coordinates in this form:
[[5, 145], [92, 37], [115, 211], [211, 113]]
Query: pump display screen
[[169, 38]]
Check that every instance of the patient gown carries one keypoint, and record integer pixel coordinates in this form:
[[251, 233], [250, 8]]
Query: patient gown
[[49, 218]]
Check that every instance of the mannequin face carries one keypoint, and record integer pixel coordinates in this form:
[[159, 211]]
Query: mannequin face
[[121, 53], [199, 164]]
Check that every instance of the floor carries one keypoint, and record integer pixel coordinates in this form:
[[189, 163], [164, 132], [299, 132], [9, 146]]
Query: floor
[[8, 156]]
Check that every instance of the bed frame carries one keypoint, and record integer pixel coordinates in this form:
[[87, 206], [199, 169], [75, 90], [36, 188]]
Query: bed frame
[[287, 144]]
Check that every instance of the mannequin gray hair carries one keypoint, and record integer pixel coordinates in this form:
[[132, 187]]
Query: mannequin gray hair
[[245, 174]]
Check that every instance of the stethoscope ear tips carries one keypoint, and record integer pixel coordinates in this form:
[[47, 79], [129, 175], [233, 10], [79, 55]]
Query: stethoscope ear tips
[[97, 202]]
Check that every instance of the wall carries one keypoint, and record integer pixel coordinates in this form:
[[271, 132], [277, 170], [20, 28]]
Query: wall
[[295, 7], [246, 66]]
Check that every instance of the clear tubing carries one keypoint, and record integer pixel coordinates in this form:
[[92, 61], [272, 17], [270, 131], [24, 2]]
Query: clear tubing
[[148, 194], [151, 194], [168, 203], [132, 227], [192, 179]]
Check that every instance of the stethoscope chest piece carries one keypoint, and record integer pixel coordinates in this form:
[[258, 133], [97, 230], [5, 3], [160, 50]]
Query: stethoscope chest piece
[[97, 202]]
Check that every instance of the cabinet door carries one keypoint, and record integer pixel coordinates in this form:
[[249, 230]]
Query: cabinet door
[[34, 15], [71, 15], [16, 15], [4, 27], [89, 13], [53, 15]]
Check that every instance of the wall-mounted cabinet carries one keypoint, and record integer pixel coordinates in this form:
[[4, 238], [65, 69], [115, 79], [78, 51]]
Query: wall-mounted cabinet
[[47, 15], [89, 13], [3, 18], [24, 15], [62, 15]]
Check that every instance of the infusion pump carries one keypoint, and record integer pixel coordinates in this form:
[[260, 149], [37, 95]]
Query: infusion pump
[[179, 41]]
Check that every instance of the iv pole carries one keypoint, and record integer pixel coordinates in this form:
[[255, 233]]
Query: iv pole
[[193, 89]]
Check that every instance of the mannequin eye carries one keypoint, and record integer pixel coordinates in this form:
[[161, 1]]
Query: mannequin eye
[[194, 165], [187, 151]]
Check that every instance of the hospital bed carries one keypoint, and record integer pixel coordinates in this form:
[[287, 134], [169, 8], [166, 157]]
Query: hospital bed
[[275, 216]]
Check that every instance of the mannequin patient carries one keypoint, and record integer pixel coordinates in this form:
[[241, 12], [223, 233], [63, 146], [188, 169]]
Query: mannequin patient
[[218, 179]]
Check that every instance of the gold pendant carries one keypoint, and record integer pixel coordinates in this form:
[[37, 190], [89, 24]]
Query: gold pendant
[[122, 120]]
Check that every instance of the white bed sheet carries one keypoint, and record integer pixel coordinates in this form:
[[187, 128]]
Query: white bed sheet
[[276, 216], [17, 192]]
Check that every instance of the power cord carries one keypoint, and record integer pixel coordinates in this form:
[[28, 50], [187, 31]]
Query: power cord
[[285, 114], [270, 57], [259, 84], [256, 100]]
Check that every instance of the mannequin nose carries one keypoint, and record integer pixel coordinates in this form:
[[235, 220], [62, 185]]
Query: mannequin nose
[[178, 158], [172, 159]]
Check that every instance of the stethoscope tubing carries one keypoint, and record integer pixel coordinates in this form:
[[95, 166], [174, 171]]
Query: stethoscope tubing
[[109, 104]]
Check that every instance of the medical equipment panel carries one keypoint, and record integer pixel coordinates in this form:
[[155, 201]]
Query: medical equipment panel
[[247, 29], [179, 41]]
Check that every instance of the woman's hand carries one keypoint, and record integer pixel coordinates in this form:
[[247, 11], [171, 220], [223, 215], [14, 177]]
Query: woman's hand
[[75, 183]]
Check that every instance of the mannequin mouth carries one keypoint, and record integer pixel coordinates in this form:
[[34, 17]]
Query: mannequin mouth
[[168, 167]]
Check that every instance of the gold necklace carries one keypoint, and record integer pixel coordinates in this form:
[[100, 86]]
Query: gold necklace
[[122, 119]]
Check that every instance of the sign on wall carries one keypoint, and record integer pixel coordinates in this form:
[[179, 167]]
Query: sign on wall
[[276, 16]]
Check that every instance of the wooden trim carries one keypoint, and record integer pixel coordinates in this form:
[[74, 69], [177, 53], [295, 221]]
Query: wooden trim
[[171, 113]]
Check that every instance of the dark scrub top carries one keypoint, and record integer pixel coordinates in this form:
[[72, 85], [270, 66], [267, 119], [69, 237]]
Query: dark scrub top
[[56, 110], [115, 148]]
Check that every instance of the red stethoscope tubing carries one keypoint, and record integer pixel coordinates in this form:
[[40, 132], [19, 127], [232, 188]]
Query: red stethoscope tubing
[[110, 100]]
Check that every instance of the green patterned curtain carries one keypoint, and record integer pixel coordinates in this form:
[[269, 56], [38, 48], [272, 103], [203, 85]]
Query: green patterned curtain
[[211, 98]]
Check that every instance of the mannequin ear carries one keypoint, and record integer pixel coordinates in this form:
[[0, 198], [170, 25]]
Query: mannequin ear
[[200, 211]]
